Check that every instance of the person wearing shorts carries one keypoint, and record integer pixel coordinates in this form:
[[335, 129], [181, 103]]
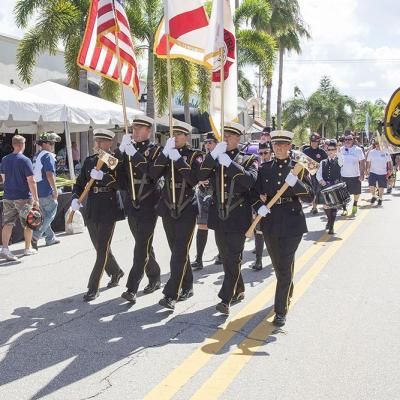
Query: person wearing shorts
[[379, 166], [19, 191], [352, 160]]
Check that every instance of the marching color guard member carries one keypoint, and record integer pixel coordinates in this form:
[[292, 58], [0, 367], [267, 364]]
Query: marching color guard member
[[329, 174], [179, 219], [283, 225], [103, 210], [231, 221], [142, 217]]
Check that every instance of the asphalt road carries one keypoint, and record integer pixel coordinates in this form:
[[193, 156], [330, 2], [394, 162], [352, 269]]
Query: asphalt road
[[340, 341]]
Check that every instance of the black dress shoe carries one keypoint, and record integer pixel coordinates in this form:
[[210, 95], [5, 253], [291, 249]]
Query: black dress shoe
[[257, 266], [223, 308], [237, 298], [185, 294], [152, 287], [91, 295], [314, 211], [167, 302], [34, 244], [129, 296], [218, 260], [331, 232], [115, 279], [279, 320], [197, 265]]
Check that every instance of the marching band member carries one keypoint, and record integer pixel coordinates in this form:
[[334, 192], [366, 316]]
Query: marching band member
[[230, 222], [329, 174], [179, 220], [317, 154], [353, 169], [285, 224], [103, 209], [379, 167], [142, 217], [203, 198], [264, 155]]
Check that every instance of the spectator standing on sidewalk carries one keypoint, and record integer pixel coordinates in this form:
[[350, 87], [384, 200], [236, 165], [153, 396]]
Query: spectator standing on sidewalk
[[19, 190], [45, 177]]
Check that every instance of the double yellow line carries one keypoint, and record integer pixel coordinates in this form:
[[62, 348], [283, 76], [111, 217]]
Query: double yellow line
[[232, 365]]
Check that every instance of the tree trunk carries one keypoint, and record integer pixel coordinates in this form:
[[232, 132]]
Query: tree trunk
[[186, 111], [268, 121], [84, 87], [150, 109], [279, 99]]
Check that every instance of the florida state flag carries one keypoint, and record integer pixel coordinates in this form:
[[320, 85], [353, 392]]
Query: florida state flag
[[187, 24]]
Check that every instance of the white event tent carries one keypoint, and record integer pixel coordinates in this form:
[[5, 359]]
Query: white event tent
[[50, 106]]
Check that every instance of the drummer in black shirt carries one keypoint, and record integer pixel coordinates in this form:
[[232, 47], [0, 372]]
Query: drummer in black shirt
[[317, 154], [329, 174]]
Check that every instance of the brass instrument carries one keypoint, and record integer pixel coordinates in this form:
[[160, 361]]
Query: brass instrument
[[392, 119]]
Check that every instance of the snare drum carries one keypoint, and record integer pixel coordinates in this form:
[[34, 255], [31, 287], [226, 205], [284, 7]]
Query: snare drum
[[336, 195]]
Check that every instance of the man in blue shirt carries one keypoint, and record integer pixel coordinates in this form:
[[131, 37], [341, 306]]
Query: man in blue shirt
[[19, 190], [45, 177]]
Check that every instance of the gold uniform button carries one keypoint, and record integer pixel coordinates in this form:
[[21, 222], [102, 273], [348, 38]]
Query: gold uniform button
[[280, 174], [279, 182], [280, 166]]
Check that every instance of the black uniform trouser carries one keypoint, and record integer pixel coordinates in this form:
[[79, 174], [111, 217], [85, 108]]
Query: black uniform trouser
[[282, 251], [230, 246], [179, 234], [143, 255], [101, 235]]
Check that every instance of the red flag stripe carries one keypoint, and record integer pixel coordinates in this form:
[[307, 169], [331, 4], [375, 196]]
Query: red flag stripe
[[181, 24]]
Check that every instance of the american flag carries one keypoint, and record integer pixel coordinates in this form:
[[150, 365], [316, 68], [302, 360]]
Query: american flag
[[98, 53]]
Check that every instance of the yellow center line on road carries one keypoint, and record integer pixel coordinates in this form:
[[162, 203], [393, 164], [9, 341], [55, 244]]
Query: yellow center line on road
[[190, 366], [214, 387]]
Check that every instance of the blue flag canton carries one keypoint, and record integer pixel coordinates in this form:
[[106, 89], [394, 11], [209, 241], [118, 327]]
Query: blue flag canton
[[121, 2]]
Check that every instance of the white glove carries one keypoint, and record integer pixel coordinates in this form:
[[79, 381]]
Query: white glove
[[75, 205], [96, 175], [263, 211], [174, 155], [224, 160], [126, 139], [130, 149], [218, 150], [291, 179], [169, 146]]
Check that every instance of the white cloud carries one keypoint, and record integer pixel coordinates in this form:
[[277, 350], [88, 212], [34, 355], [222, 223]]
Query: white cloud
[[347, 30]]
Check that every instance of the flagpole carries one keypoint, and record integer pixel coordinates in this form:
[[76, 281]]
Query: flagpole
[[169, 83], [121, 85], [222, 83]]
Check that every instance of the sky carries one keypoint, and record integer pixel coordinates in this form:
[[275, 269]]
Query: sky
[[341, 30]]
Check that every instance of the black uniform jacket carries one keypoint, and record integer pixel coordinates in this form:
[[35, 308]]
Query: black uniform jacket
[[316, 154], [147, 190], [286, 219], [104, 206], [331, 171], [240, 178], [186, 178]]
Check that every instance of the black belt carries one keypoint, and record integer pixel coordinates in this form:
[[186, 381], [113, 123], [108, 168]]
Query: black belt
[[284, 200], [140, 181], [97, 189], [177, 186]]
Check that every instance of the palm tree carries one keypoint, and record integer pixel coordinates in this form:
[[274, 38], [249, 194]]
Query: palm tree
[[57, 22], [324, 111], [288, 27], [256, 46]]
